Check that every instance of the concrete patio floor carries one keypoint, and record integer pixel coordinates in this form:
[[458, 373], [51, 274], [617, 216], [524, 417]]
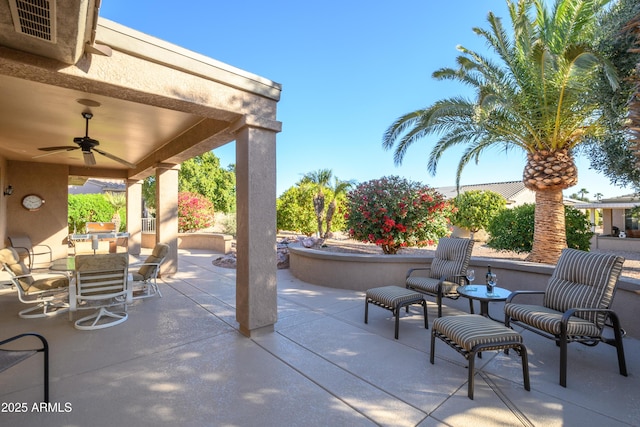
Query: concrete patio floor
[[180, 360]]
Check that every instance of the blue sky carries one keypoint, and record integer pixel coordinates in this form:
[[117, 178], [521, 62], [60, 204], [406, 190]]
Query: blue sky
[[348, 69]]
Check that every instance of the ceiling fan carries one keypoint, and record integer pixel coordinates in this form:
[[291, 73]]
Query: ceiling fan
[[87, 145]]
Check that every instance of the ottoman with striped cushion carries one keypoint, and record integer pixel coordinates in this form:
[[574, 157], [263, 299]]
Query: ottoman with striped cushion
[[394, 298], [469, 334]]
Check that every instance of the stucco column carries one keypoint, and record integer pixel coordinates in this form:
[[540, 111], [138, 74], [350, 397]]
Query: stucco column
[[134, 215], [256, 291], [167, 214]]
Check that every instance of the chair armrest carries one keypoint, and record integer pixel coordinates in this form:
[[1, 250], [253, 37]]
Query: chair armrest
[[26, 334], [516, 293], [455, 276], [416, 269]]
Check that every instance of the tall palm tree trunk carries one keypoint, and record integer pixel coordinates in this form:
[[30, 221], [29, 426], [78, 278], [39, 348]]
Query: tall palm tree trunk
[[318, 206], [331, 210], [549, 237]]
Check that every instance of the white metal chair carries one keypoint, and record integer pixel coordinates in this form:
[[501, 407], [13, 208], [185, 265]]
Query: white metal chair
[[145, 279], [101, 283], [49, 293], [33, 253]]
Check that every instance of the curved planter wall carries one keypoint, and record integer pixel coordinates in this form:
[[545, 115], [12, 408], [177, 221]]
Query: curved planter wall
[[363, 271]]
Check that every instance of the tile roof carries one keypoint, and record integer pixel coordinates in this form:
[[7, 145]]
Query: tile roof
[[509, 190]]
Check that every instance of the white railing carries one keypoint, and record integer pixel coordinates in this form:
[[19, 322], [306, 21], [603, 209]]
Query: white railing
[[148, 225]]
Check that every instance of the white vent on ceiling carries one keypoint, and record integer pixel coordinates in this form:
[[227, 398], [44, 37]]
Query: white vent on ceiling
[[35, 18]]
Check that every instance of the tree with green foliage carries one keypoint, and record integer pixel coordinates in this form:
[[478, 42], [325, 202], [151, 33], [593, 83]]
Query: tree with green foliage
[[339, 191], [393, 212], [535, 95], [294, 211], [512, 229], [319, 181], [611, 153], [475, 208], [202, 175]]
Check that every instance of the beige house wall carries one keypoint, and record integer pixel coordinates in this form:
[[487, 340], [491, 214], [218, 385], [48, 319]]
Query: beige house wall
[[49, 224]]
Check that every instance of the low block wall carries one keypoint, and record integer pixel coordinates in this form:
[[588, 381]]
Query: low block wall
[[216, 242], [363, 271]]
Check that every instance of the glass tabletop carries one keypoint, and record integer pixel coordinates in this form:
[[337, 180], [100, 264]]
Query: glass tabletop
[[479, 292], [64, 264]]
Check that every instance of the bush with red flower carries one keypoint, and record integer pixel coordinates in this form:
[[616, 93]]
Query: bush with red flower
[[195, 212], [394, 213]]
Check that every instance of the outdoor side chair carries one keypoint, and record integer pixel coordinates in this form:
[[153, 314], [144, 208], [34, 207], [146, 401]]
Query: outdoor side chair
[[576, 305], [10, 356], [145, 279], [33, 253], [448, 271], [49, 293]]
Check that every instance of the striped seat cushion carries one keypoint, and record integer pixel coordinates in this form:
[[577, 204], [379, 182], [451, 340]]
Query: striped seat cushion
[[583, 280], [392, 296], [548, 320], [470, 330], [430, 285]]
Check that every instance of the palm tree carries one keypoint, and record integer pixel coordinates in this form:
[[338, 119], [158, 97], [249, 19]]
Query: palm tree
[[320, 181], [598, 196], [535, 97], [339, 187], [118, 201], [582, 192]]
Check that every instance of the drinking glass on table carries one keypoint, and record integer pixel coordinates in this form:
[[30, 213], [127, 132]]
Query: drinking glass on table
[[471, 276], [491, 283]]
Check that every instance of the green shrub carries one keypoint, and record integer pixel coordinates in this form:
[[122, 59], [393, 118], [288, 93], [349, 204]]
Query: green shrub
[[295, 211], [85, 208], [474, 209], [512, 229]]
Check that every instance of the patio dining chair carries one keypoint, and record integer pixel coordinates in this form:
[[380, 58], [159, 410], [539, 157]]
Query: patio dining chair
[[101, 283], [36, 255], [576, 305], [11, 356], [448, 271], [49, 292], [145, 279]]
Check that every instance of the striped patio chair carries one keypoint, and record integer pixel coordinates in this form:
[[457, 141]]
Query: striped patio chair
[[576, 305], [447, 272]]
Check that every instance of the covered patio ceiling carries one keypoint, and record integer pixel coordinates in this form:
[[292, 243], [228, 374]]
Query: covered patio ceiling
[[141, 114]]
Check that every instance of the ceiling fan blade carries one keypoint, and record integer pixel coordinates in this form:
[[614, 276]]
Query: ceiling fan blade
[[89, 159], [54, 150], [117, 159]]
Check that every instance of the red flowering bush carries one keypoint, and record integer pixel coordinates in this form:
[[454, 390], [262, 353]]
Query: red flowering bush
[[393, 213], [195, 212]]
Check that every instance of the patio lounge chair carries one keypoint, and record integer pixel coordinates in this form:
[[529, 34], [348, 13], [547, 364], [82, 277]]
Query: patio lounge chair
[[101, 283], [48, 293], [22, 244], [447, 272], [145, 279], [575, 306], [10, 356]]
